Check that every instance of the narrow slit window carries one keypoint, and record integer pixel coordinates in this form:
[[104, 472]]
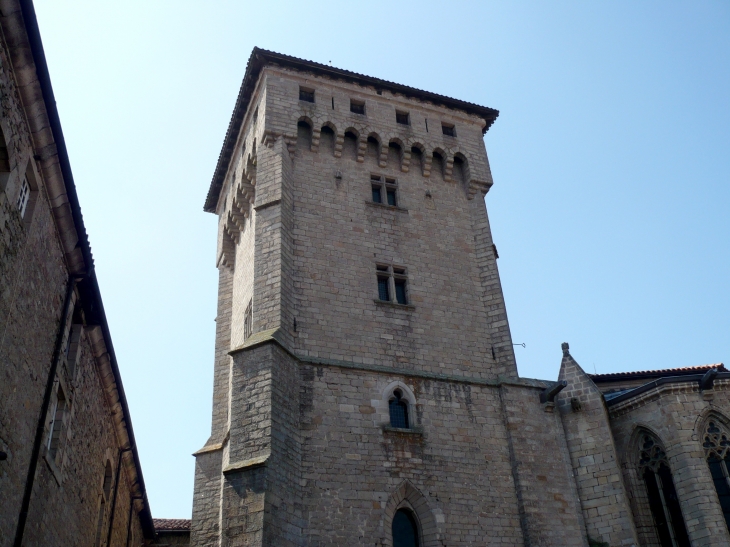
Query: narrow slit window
[[248, 321], [23, 197], [402, 118], [306, 94], [357, 107], [448, 129]]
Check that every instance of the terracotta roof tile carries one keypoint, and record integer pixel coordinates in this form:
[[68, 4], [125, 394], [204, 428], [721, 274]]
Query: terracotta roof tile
[[172, 525]]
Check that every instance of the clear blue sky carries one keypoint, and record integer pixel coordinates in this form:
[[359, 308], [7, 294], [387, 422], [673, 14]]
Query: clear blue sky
[[611, 161]]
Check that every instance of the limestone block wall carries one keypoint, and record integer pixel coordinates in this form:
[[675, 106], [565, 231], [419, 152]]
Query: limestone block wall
[[453, 469], [596, 467], [549, 505], [677, 415]]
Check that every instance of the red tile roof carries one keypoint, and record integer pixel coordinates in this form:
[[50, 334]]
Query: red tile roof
[[172, 525], [640, 374]]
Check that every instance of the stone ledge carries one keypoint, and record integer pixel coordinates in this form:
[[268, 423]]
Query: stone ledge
[[407, 430], [242, 465], [404, 307], [387, 207]]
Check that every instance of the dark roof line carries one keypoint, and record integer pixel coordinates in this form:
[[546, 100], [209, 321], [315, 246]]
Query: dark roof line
[[642, 374], [260, 58], [44, 80], [660, 382]]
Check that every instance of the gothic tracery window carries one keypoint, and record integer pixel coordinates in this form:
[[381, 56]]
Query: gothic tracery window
[[716, 443], [663, 500]]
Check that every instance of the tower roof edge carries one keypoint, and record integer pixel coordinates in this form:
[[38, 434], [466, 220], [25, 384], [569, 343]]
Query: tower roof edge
[[260, 58]]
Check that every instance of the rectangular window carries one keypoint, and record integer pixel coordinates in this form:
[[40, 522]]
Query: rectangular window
[[357, 107], [384, 187], [248, 321], [306, 94], [56, 427], [392, 281], [402, 118], [23, 197], [448, 129]]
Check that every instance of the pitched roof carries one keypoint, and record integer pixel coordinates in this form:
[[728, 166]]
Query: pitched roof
[[260, 58], [642, 374], [172, 525]]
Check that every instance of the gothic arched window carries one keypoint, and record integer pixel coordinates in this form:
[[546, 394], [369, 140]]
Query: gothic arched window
[[405, 530], [662, 495], [717, 451], [398, 410]]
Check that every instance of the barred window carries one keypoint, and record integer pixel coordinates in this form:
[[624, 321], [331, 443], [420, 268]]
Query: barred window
[[306, 94], [384, 190], [398, 410], [23, 197], [248, 321], [392, 283]]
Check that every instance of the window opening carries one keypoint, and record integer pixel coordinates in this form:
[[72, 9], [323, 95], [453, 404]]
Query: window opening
[[717, 451], [663, 500], [426, 120], [56, 427], [333, 103], [349, 147], [398, 410], [357, 107], [304, 135], [448, 129], [384, 190], [402, 118], [23, 197], [392, 281], [405, 530], [248, 321], [306, 94]]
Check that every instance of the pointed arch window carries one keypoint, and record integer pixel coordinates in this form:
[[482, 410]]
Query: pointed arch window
[[398, 410], [405, 529], [663, 500], [716, 443]]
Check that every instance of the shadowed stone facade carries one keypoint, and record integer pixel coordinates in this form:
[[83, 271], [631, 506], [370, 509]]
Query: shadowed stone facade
[[358, 272]]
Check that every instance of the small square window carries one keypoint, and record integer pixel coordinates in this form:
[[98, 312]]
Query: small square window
[[357, 107], [448, 129], [306, 94], [392, 281], [384, 190], [402, 118]]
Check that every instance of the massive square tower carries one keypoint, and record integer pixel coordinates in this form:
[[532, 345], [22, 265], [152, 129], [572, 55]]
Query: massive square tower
[[364, 370]]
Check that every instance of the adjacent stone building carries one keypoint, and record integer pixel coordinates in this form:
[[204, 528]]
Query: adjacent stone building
[[70, 474], [365, 385]]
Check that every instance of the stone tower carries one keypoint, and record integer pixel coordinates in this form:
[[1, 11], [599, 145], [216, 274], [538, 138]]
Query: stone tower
[[364, 364]]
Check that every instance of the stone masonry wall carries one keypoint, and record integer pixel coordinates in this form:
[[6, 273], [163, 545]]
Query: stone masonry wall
[[549, 503], [456, 459], [677, 415], [596, 467]]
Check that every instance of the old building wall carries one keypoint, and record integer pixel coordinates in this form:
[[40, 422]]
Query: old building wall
[[677, 416], [550, 508], [339, 236], [455, 459], [596, 467]]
